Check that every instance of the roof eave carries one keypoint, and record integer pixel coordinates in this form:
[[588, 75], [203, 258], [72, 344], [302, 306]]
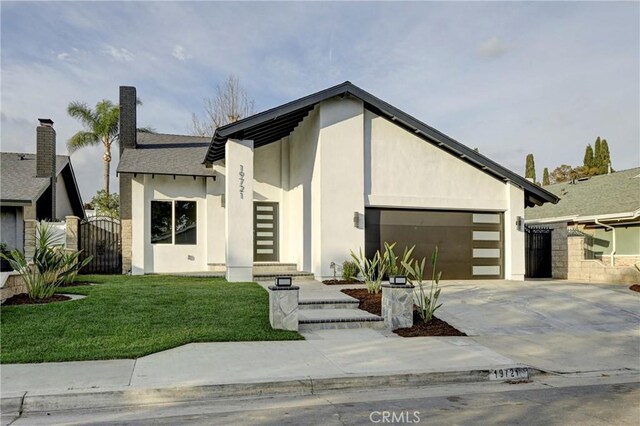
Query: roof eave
[[536, 195]]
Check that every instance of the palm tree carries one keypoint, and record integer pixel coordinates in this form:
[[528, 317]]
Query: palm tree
[[101, 127]]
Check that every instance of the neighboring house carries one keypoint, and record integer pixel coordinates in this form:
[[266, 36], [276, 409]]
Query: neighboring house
[[596, 227], [39, 186], [309, 181]]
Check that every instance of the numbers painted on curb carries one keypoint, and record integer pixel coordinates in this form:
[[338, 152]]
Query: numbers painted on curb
[[508, 373]]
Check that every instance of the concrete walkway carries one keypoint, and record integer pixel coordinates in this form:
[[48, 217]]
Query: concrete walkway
[[326, 353]]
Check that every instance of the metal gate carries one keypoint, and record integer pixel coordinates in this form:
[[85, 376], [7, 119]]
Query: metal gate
[[100, 237], [538, 252]]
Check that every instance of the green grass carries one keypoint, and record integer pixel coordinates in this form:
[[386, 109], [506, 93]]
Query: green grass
[[129, 317]]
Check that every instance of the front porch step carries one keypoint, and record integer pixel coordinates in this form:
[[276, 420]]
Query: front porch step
[[334, 319], [329, 304], [260, 268], [296, 275]]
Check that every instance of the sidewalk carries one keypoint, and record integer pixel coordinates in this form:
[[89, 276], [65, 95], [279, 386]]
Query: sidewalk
[[331, 358]]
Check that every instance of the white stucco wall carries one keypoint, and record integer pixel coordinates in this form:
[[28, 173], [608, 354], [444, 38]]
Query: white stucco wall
[[63, 203], [402, 169], [341, 183], [160, 258], [514, 239], [303, 144]]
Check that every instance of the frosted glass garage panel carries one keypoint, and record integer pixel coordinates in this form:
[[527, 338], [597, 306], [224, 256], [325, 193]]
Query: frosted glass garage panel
[[264, 225], [486, 218], [486, 253], [264, 251], [486, 270], [486, 235], [264, 208]]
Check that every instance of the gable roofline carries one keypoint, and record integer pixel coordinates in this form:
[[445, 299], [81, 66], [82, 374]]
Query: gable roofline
[[285, 118]]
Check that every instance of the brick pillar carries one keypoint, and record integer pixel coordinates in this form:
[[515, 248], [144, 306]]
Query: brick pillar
[[30, 226], [71, 233], [128, 140], [46, 162]]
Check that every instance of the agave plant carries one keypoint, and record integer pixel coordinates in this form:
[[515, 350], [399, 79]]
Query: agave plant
[[427, 298], [50, 265]]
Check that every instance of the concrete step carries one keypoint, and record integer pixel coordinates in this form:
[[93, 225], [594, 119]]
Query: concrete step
[[333, 319], [259, 268], [329, 304], [296, 275], [274, 267]]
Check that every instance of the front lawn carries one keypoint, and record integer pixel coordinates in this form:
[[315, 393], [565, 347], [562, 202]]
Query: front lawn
[[133, 316]]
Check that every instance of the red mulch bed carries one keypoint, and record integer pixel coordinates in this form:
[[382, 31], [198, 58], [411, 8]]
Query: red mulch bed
[[373, 303], [337, 282], [23, 299], [635, 287]]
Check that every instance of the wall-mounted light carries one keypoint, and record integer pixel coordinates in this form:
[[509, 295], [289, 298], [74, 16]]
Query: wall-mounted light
[[519, 223], [283, 281], [358, 220]]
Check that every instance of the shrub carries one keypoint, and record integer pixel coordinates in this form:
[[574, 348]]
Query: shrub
[[427, 301], [393, 266], [349, 270], [49, 267], [372, 270]]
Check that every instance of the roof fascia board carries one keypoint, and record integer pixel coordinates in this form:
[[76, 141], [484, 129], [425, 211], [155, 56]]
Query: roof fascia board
[[74, 186], [15, 203]]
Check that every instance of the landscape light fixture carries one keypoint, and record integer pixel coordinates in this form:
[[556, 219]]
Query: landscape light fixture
[[283, 281], [398, 280]]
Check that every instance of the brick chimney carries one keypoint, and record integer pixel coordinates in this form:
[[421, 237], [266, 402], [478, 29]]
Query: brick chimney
[[128, 125], [46, 165], [128, 139]]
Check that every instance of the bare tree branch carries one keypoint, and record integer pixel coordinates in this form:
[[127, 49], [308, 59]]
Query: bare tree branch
[[230, 103]]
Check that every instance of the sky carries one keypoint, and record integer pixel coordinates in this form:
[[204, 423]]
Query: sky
[[504, 77]]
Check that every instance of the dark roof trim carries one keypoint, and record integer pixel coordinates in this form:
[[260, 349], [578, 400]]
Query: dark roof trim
[[534, 194], [14, 203], [71, 185]]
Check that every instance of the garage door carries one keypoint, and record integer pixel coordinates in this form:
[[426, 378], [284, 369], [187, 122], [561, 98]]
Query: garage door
[[470, 244]]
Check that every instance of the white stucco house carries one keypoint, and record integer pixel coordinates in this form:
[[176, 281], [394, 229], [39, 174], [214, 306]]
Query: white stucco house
[[309, 181]]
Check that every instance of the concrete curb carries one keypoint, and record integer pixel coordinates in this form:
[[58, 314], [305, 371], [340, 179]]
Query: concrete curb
[[127, 397]]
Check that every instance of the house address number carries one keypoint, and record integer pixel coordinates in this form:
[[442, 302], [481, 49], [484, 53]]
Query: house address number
[[241, 179], [508, 373]]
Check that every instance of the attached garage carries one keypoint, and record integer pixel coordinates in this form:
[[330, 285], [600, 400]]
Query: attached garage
[[470, 244]]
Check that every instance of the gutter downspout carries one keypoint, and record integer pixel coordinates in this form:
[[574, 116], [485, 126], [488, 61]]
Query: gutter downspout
[[613, 249]]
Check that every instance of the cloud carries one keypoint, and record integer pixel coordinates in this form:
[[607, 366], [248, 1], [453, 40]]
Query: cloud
[[63, 56], [119, 54], [493, 48], [180, 53]]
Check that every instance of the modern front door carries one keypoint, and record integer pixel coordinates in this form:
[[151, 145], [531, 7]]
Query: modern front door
[[265, 231]]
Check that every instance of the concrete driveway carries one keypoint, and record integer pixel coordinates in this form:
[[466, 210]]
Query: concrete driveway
[[554, 325]]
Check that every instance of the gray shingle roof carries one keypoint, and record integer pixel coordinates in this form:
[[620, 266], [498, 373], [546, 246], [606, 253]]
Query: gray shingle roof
[[18, 181], [164, 154], [618, 192]]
